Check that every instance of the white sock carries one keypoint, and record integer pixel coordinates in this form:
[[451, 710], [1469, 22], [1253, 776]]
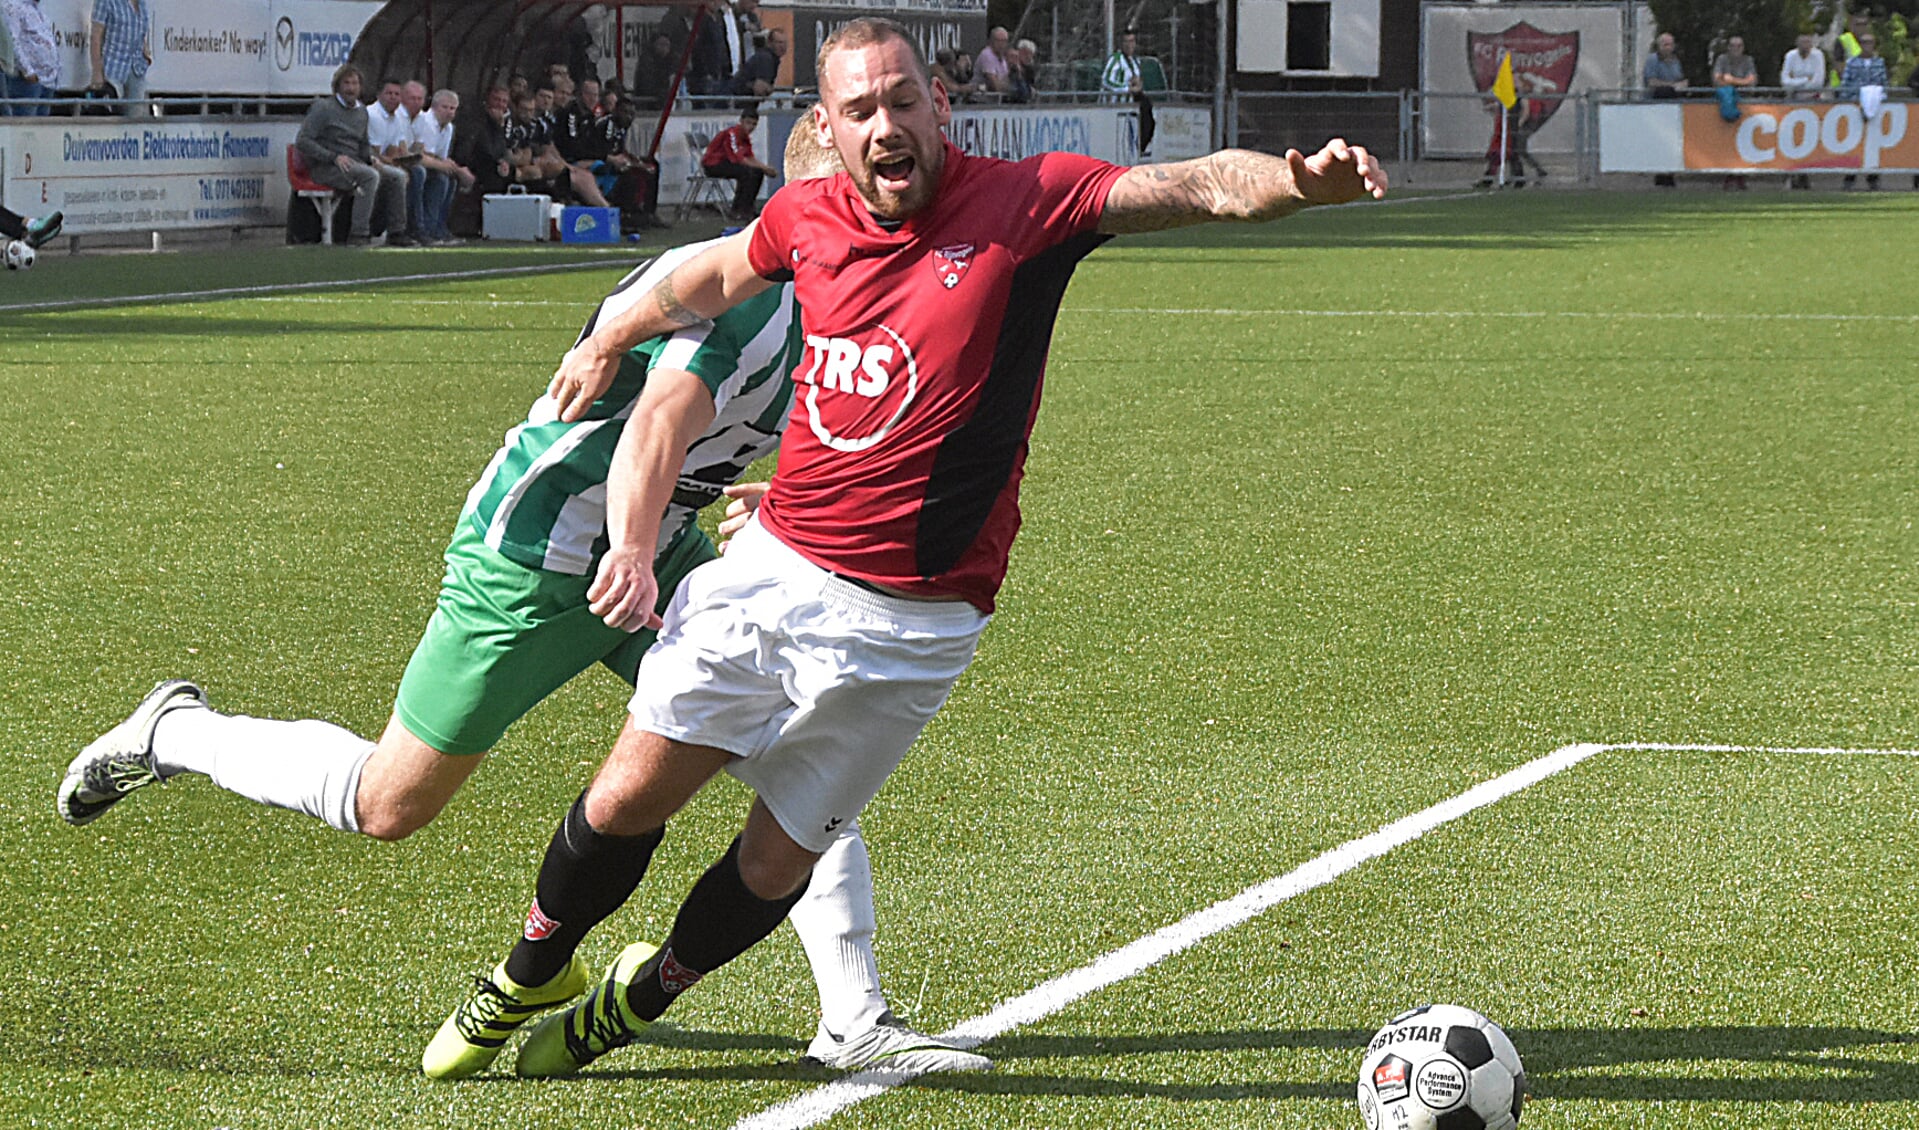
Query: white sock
[[311, 767], [835, 923]]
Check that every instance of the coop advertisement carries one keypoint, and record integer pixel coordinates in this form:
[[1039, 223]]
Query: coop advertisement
[[120, 176], [1787, 137]]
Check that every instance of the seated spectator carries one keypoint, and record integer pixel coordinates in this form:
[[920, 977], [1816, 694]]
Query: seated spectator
[[963, 71], [945, 64], [333, 139], [730, 156], [992, 70], [390, 132], [516, 86], [629, 178], [574, 133], [537, 162], [488, 152], [430, 183], [1022, 72], [757, 78]]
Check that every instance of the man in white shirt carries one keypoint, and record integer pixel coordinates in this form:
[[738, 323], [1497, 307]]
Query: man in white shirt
[[389, 132], [431, 179], [1804, 70], [1803, 74]]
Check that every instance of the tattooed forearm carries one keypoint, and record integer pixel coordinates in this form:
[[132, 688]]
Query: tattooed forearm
[[1233, 184], [666, 297]]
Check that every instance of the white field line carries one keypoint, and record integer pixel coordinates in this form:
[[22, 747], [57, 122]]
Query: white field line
[[1588, 315], [821, 1103], [607, 262]]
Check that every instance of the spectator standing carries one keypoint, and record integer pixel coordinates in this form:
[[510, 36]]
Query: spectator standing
[[1732, 72], [719, 52], [120, 49], [729, 156], [653, 75], [761, 73], [34, 69], [333, 140], [430, 183], [1864, 81], [1122, 79], [1664, 77], [991, 69], [1803, 71], [1846, 46]]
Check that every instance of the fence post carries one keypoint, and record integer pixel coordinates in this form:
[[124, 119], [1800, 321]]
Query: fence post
[[1406, 130]]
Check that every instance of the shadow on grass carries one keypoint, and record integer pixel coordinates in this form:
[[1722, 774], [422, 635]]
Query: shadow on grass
[[1752, 1064]]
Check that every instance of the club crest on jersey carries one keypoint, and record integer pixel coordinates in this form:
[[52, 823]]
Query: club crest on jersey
[[538, 926], [950, 263]]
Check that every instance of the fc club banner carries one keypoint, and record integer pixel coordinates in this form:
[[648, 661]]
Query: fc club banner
[[1544, 62]]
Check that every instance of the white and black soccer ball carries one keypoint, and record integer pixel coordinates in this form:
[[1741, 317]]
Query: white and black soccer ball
[[18, 255], [1441, 1067]]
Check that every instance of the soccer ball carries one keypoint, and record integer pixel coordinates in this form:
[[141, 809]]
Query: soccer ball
[[19, 256], [1441, 1067]]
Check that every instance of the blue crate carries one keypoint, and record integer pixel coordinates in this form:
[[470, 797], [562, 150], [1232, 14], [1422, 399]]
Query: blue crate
[[589, 225]]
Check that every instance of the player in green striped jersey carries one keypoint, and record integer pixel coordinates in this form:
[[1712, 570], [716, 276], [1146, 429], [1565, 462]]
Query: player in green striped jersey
[[554, 565]]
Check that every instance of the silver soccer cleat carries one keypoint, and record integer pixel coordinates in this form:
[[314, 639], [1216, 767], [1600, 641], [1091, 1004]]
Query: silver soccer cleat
[[121, 760]]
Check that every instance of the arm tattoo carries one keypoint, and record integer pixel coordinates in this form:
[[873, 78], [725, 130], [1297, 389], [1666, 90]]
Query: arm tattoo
[[667, 297], [1233, 184]]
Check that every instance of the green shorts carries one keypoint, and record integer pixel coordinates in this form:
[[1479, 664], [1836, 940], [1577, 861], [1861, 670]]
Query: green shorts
[[505, 636]]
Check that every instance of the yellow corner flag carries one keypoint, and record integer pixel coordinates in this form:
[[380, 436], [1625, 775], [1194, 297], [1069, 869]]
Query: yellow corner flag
[[1503, 82]]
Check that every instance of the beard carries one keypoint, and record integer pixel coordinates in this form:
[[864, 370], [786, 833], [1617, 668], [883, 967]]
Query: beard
[[894, 204]]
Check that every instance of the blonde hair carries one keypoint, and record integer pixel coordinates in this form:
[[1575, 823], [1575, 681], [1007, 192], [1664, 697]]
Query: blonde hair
[[806, 158]]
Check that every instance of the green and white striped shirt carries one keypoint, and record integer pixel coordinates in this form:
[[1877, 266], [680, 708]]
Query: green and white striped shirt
[[542, 500]]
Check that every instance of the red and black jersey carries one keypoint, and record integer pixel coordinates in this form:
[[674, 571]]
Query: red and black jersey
[[926, 346], [731, 146]]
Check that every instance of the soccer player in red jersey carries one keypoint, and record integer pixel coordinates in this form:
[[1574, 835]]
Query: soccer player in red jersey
[[810, 657]]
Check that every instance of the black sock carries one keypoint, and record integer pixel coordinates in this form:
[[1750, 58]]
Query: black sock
[[585, 877], [12, 224], [720, 920]]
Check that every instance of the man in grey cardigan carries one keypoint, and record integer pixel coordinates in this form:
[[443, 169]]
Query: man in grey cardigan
[[334, 142]]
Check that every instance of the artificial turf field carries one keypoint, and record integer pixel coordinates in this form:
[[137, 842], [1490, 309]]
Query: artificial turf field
[[1326, 523]]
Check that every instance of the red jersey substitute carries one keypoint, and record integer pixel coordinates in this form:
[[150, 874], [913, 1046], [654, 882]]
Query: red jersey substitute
[[926, 346], [732, 146]]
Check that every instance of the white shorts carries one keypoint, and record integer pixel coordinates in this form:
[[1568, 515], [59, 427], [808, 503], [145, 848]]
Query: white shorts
[[816, 684]]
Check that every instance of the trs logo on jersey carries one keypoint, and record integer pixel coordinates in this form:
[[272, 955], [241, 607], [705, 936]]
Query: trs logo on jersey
[[950, 263], [869, 370]]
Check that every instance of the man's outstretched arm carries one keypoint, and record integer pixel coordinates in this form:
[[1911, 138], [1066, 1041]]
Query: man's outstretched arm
[[698, 290], [1240, 185]]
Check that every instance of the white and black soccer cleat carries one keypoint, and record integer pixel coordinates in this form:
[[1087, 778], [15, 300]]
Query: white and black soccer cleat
[[890, 1045], [121, 760]]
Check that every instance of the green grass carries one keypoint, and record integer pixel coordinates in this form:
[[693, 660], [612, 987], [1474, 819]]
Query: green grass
[[1286, 576]]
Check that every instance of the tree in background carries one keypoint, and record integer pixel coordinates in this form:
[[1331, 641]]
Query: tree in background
[[1771, 26]]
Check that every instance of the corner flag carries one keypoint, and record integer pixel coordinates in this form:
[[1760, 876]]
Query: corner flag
[[1503, 82]]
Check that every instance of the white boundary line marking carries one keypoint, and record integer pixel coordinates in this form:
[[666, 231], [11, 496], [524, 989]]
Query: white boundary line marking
[[823, 1102], [1591, 315], [608, 261]]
